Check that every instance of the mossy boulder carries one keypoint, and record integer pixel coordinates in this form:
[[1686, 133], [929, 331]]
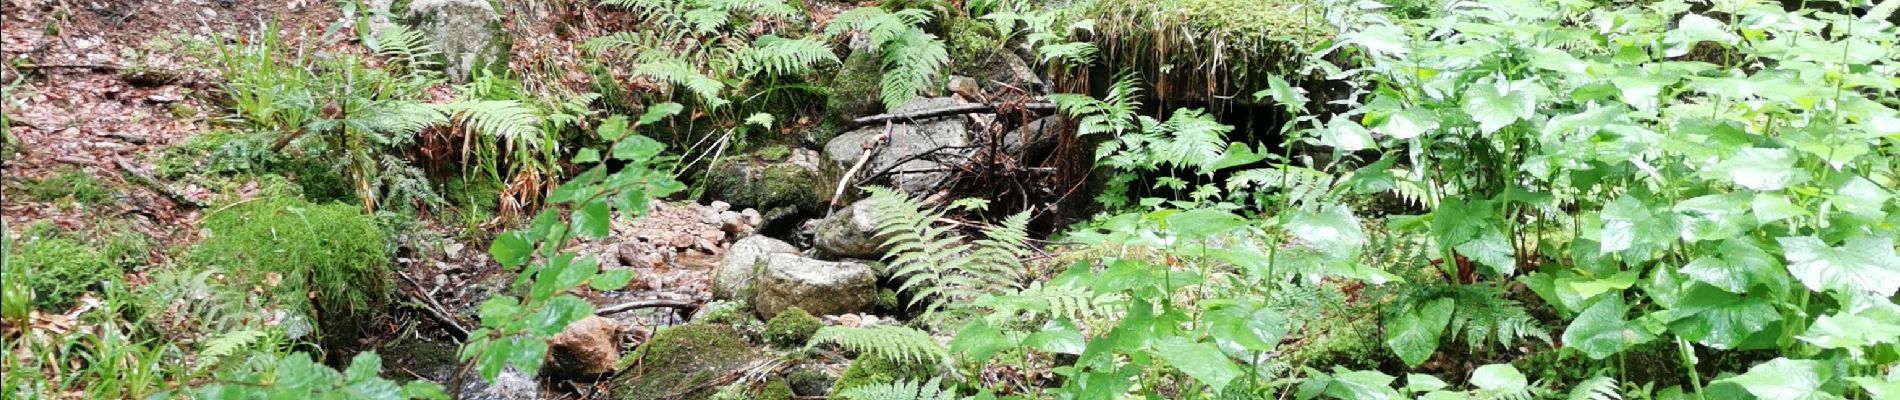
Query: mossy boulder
[[785, 183], [809, 382], [791, 328], [327, 261], [683, 362], [468, 34], [871, 370], [777, 389], [58, 270], [854, 89]]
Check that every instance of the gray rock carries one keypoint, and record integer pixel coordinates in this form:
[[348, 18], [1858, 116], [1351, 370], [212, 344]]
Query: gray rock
[[1034, 139], [796, 181], [735, 276], [377, 13], [850, 233], [468, 33], [819, 287], [911, 170], [510, 385]]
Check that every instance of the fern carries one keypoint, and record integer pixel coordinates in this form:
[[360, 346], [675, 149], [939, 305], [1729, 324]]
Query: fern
[[1193, 139], [497, 118], [895, 343], [227, 344], [402, 44], [1482, 314], [1113, 113], [911, 57], [680, 73], [936, 265], [775, 55], [1305, 185], [1598, 388], [900, 390]]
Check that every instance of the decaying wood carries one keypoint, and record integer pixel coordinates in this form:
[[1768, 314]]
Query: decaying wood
[[1040, 108], [146, 179], [433, 308]]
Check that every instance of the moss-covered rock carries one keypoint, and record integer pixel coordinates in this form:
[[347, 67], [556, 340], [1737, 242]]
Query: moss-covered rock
[[854, 89], [872, 370], [972, 41], [683, 362], [791, 328], [809, 382], [777, 389], [58, 270], [327, 260], [793, 182]]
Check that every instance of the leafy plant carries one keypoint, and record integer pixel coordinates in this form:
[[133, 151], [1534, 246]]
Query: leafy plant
[[895, 343], [937, 266], [912, 58]]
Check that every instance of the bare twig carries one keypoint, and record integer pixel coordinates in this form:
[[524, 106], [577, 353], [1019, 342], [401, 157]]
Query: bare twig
[[435, 309], [639, 304], [1043, 108], [870, 147], [147, 180]]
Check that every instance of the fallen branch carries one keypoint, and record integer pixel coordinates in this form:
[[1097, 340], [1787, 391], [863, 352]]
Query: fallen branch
[[639, 304], [148, 181], [1042, 108], [434, 309], [870, 146]]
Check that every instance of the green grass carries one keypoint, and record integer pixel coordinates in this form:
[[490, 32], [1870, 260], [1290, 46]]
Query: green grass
[[72, 185]]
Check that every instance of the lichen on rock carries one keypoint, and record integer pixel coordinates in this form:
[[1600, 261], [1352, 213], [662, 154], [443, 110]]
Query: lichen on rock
[[683, 362]]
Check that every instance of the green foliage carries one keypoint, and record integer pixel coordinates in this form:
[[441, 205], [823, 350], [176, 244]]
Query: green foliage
[[911, 58], [1474, 315], [791, 328], [296, 377], [900, 344], [900, 390], [684, 361], [326, 262], [777, 389], [869, 370], [67, 185], [937, 266], [58, 270]]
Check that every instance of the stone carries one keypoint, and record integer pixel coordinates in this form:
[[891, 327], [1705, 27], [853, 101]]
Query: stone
[[793, 184], [820, 287], [850, 233], [904, 153], [1034, 139], [966, 87], [511, 384], [735, 276], [589, 347], [468, 34], [1006, 68], [683, 362]]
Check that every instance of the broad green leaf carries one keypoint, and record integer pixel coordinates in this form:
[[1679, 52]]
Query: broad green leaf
[[1865, 263], [1785, 379], [1879, 388], [1847, 331], [1414, 335], [1361, 385], [1601, 330], [978, 340], [1057, 336], [1418, 383], [613, 128], [1409, 123], [1242, 332], [421, 389], [497, 310], [614, 279], [1771, 207], [1202, 223], [1457, 220], [1719, 319], [637, 148], [1499, 378], [1500, 103], [1635, 228], [593, 220], [1333, 230], [1587, 289], [586, 156], [1202, 361], [511, 249], [1763, 169], [1736, 266], [1692, 29], [1344, 134], [658, 112], [1861, 197], [1492, 250]]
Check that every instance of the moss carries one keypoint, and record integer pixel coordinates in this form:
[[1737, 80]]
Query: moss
[[872, 370], [67, 185], [319, 181], [58, 269], [1345, 341], [774, 152], [230, 153], [854, 90], [777, 389], [809, 382], [791, 328], [1181, 40], [328, 260], [683, 362], [972, 41], [887, 299], [754, 182]]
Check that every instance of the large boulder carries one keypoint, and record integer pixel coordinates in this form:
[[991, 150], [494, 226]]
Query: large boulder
[[683, 362], [820, 287], [915, 153], [468, 33], [850, 232], [776, 181], [589, 347], [738, 272]]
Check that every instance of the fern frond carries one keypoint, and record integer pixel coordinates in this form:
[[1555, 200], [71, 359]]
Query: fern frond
[[227, 344], [935, 264], [497, 118], [1598, 388], [679, 73], [1195, 139], [911, 62], [1076, 53], [895, 343], [900, 390], [775, 55]]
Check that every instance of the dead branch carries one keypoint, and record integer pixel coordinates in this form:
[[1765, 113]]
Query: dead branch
[[147, 180], [684, 305], [1041, 108], [434, 309], [870, 147]]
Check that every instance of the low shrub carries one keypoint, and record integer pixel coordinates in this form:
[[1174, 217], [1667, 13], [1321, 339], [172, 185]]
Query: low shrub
[[327, 260]]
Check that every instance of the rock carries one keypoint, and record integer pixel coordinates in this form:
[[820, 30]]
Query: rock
[[966, 87], [738, 272], [377, 15], [820, 287], [850, 233], [589, 347], [794, 181], [1006, 68], [683, 362], [510, 385], [1034, 139], [904, 153], [468, 33], [854, 89]]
